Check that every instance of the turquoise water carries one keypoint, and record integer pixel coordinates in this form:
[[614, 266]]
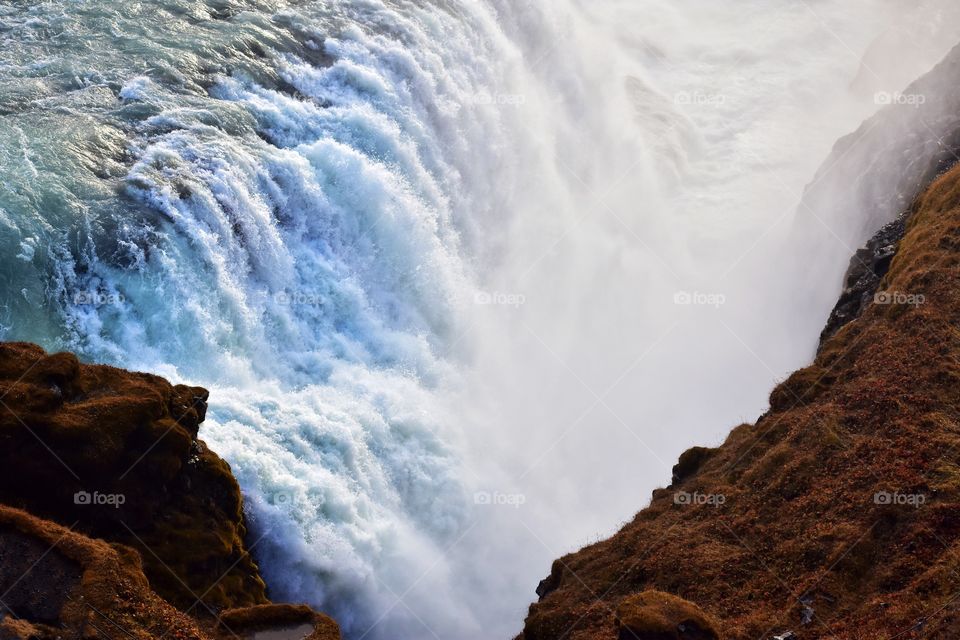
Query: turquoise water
[[256, 197]]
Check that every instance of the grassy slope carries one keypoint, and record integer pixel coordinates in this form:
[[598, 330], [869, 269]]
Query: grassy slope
[[879, 411]]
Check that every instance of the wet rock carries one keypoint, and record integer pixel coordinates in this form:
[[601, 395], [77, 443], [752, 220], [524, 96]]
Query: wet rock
[[867, 268], [807, 613]]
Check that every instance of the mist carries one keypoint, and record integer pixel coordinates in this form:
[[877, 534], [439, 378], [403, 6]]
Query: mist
[[662, 271]]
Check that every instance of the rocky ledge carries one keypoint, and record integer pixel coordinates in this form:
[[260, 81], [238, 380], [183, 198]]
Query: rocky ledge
[[836, 515], [116, 521]]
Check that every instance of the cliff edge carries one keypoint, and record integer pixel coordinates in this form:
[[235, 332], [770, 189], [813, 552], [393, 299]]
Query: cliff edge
[[836, 515], [116, 521]]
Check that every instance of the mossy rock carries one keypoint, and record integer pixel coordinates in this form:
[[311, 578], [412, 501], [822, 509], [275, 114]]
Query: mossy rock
[[287, 620], [690, 462], [70, 432], [655, 615], [801, 388]]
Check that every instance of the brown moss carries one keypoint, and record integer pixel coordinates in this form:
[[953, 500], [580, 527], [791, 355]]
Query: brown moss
[[690, 461], [654, 615], [81, 587], [279, 616], [801, 388]]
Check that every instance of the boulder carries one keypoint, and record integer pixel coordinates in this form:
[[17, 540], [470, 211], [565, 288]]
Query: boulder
[[654, 615], [279, 622]]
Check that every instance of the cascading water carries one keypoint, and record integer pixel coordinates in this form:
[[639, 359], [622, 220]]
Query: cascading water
[[414, 247]]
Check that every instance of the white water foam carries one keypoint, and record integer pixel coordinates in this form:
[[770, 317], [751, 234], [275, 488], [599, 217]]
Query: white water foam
[[430, 270]]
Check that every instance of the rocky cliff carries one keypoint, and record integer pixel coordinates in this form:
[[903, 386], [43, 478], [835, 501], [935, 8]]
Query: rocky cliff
[[883, 166], [871, 177], [115, 519], [835, 515]]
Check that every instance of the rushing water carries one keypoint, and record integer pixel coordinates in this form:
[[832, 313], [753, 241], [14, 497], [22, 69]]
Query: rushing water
[[412, 247]]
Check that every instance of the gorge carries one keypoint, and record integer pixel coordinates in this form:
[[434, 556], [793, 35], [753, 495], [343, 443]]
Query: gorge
[[443, 290]]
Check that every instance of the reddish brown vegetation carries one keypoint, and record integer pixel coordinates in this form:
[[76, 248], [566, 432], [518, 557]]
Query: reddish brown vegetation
[[654, 615], [273, 616], [72, 586], [842, 510], [56, 583]]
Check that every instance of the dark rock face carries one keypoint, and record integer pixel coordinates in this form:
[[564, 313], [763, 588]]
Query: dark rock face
[[880, 169], [552, 582], [27, 568], [867, 268], [690, 460], [871, 177], [117, 453]]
